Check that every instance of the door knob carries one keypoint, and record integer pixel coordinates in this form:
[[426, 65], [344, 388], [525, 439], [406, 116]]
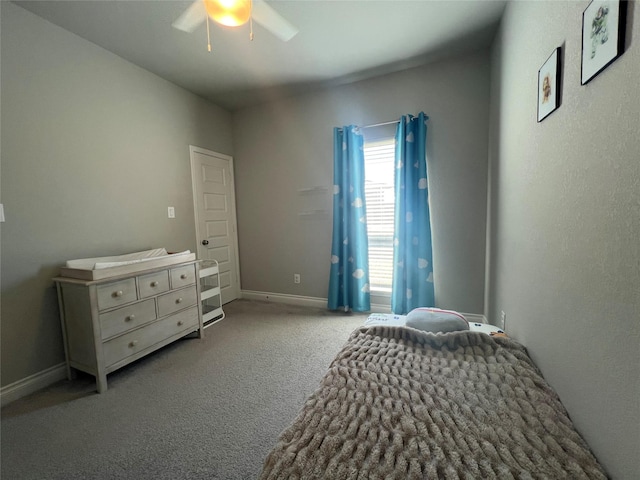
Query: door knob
[[205, 242]]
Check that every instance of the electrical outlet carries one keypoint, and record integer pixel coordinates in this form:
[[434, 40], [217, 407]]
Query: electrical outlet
[[503, 320], [296, 278]]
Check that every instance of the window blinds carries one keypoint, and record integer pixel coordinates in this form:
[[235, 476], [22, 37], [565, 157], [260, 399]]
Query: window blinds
[[379, 194]]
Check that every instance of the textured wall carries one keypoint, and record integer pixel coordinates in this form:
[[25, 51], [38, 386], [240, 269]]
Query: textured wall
[[286, 145], [94, 149], [565, 222]]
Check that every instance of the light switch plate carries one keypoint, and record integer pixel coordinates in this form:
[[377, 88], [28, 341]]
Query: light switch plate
[[172, 212]]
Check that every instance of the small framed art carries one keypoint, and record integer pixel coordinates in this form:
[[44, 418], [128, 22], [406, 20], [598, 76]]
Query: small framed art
[[603, 29], [549, 85]]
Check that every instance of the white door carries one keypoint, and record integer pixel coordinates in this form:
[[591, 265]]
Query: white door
[[215, 214]]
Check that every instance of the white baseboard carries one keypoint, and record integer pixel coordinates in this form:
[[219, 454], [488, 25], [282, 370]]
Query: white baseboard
[[32, 383], [284, 298], [299, 300], [322, 303]]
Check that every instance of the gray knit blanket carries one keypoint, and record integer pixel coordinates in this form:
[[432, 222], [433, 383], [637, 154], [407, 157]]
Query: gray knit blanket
[[398, 403]]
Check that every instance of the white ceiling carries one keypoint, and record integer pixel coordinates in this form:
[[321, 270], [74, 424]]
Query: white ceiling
[[339, 41]]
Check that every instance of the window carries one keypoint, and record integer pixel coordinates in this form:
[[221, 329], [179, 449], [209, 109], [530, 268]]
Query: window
[[379, 193]]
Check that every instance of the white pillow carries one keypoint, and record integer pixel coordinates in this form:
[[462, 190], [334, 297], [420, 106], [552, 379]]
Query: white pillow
[[436, 320]]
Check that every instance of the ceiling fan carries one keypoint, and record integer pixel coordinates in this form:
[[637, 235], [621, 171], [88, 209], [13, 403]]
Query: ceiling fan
[[232, 13]]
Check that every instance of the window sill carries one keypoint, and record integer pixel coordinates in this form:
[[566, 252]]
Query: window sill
[[380, 300]]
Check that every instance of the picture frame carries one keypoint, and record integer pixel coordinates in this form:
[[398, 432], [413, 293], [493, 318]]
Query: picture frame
[[603, 31], [549, 85]]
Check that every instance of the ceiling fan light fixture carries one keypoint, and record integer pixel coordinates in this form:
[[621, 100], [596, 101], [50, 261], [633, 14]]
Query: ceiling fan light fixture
[[231, 13]]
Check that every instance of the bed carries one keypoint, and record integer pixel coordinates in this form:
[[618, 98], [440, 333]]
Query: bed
[[402, 403]]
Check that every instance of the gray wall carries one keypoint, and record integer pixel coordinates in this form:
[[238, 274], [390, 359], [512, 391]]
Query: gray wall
[[287, 145], [565, 223], [94, 149]]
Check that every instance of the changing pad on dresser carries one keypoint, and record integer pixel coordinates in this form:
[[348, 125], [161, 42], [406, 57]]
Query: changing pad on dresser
[[97, 268]]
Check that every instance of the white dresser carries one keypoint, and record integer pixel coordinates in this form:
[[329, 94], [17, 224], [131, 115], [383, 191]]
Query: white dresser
[[111, 322]]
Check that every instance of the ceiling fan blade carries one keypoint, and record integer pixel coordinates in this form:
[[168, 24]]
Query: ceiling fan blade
[[191, 18], [266, 16]]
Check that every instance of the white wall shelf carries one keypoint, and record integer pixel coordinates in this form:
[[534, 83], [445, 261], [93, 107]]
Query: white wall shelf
[[210, 295]]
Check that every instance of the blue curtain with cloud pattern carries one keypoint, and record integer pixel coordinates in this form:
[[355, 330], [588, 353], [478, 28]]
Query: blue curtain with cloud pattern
[[349, 274], [412, 285]]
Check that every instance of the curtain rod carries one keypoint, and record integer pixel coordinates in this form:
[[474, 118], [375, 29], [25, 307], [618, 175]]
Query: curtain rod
[[381, 124]]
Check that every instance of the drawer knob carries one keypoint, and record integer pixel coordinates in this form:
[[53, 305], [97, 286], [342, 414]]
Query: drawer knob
[[118, 293], [129, 318], [133, 343], [183, 276], [180, 323], [179, 300], [154, 284]]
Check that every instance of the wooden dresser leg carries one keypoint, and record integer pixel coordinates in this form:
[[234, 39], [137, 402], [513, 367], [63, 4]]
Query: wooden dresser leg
[[101, 382]]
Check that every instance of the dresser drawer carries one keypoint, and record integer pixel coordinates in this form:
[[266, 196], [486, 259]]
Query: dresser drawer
[[153, 284], [174, 301], [183, 276], [137, 340], [116, 293], [125, 318]]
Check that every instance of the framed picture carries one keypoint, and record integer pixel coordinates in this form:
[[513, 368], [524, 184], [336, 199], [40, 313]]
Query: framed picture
[[549, 85], [603, 29]]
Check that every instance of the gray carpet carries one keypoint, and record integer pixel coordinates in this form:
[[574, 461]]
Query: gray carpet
[[210, 408]]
